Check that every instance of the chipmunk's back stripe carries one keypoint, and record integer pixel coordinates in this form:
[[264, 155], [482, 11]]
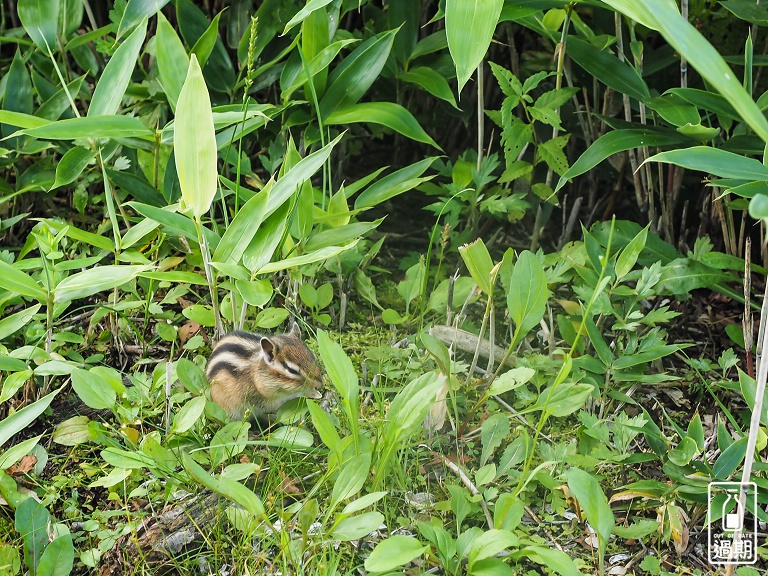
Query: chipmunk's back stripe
[[231, 351]]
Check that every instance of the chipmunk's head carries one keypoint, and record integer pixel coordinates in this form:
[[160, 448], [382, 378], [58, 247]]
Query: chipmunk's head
[[293, 366]]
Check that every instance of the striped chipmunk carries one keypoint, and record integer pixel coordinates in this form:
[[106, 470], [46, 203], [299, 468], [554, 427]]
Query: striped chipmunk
[[258, 374]]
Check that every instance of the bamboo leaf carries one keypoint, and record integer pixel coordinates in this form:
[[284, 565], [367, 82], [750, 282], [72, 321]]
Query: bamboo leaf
[[172, 60], [117, 73], [242, 229], [92, 127], [714, 161], [136, 11], [663, 15], [387, 114], [40, 20], [93, 280], [469, 27], [194, 141]]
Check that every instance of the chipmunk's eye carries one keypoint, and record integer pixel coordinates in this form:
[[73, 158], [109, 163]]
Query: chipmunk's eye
[[292, 371]]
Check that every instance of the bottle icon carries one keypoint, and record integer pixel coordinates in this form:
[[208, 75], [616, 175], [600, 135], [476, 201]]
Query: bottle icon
[[731, 520]]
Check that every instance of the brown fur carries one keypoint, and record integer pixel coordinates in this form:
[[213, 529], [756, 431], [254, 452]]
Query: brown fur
[[258, 374]]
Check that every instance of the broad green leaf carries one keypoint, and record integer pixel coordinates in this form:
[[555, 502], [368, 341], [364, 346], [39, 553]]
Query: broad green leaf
[[137, 10], [339, 368], [286, 185], [663, 15], [40, 20], [242, 229], [175, 222], [469, 28], [22, 120], [309, 258], [293, 78], [492, 433], [675, 110], [554, 560], [227, 488], [714, 161], [89, 282], [387, 114], [92, 127], [117, 73], [608, 69], [351, 79], [394, 552], [263, 245], [207, 42], [393, 184], [730, 459], [325, 428], [302, 14], [593, 502], [411, 405], [340, 235], [527, 294], [489, 544], [172, 59], [16, 321], [682, 275], [91, 389], [478, 261], [72, 165], [566, 398], [432, 81], [120, 458], [188, 415], [363, 502], [746, 10], [194, 142], [16, 453], [356, 527], [619, 141], [18, 421], [18, 94], [628, 256], [510, 380], [684, 452], [58, 558], [18, 282], [351, 478]]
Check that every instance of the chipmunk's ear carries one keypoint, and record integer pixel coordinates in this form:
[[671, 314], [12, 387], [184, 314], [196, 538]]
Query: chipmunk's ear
[[268, 349], [295, 330]]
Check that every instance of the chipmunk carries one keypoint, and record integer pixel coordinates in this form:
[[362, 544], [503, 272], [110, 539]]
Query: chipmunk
[[261, 373]]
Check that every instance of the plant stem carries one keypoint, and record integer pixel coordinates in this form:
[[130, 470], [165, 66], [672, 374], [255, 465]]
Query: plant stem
[[209, 276]]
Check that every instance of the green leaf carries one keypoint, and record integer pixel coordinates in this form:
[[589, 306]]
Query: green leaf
[[608, 69], [310, 258], [510, 380], [490, 543], [351, 79], [188, 415], [714, 161], [619, 141], [18, 421], [227, 488], [351, 478], [22, 120], [593, 502], [664, 16], [92, 127], [90, 387], [339, 368], [730, 459], [293, 78], [325, 428], [302, 14], [18, 282], [72, 165], [469, 28], [493, 432], [393, 184], [194, 142], [682, 275], [117, 74], [58, 557], [394, 552], [207, 42], [242, 229], [40, 20], [387, 114], [566, 399], [432, 81], [478, 261], [684, 452], [527, 294], [172, 59], [16, 321], [340, 234], [137, 10], [356, 527], [93, 280], [628, 256], [174, 222]]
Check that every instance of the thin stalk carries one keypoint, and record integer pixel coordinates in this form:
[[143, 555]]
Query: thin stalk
[[209, 275], [480, 110]]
